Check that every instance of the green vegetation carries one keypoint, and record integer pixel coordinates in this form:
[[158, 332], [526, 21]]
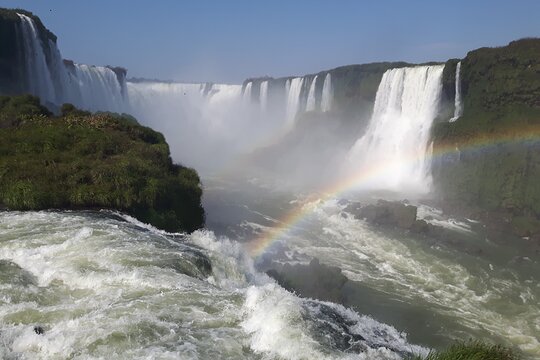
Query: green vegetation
[[17, 109], [90, 161], [472, 351], [498, 136]]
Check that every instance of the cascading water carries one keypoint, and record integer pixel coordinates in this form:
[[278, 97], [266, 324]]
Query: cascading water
[[88, 87], [39, 80], [311, 102], [103, 285], [96, 88], [327, 94], [247, 92], [293, 90], [392, 152], [263, 95], [458, 106]]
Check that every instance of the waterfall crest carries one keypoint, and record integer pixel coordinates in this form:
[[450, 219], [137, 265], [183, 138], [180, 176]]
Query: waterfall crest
[[396, 139]]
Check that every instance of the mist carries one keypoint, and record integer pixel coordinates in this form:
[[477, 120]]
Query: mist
[[248, 131]]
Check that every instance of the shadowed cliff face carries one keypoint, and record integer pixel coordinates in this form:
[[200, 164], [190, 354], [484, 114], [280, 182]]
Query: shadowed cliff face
[[491, 159]]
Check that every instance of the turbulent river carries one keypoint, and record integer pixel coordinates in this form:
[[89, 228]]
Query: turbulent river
[[100, 285]]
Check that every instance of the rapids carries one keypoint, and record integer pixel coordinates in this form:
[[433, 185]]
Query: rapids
[[102, 285]]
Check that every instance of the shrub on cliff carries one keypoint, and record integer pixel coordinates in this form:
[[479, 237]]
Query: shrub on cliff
[[81, 161], [15, 109]]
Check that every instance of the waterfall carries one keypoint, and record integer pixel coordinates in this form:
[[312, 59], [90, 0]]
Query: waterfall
[[54, 82], [227, 94], [397, 136], [97, 88], [458, 106], [327, 94], [39, 80], [263, 95], [293, 89], [247, 93], [310, 105]]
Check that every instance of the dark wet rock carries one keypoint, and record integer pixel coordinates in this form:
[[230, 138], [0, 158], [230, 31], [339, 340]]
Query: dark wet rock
[[525, 226], [316, 280], [202, 262], [192, 262], [420, 227], [385, 213], [12, 273], [39, 330], [330, 327]]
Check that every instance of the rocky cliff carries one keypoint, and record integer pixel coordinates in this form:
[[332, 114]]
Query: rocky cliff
[[489, 158]]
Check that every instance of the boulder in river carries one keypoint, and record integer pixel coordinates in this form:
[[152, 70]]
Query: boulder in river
[[386, 213]]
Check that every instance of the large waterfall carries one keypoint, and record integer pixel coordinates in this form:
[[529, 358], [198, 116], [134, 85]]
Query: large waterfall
[[57, 82], [392, 152]]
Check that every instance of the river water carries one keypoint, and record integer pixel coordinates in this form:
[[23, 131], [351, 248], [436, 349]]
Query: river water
[[101, 285]]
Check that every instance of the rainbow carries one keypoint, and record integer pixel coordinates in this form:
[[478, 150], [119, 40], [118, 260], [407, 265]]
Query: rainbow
[[482, 142]]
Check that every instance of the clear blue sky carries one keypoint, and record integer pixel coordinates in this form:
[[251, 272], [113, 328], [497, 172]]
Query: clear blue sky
[[229, 40]]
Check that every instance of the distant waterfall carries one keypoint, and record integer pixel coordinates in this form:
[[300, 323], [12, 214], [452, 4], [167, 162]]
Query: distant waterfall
[[293, 90], [311, 104], [147, 99], [247, 92], [397, 137], [458, 106], [263, 95], [327, 94], [88, 87], [225, 95]]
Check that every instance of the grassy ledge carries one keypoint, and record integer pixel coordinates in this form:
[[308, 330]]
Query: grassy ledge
[[81, 160]]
